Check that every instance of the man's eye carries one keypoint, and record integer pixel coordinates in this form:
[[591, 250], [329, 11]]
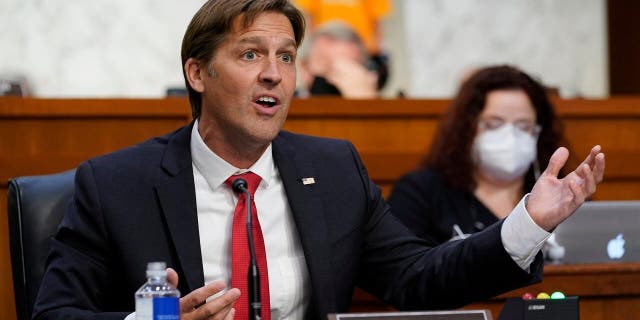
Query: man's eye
[[249, 55], [287, 58]]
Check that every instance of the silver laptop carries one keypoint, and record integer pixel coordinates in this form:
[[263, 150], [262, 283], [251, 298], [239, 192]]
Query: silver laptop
[[416, 315], [601, 231]]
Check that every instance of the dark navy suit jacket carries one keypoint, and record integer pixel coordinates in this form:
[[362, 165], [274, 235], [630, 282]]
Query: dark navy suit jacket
[[138, 205]]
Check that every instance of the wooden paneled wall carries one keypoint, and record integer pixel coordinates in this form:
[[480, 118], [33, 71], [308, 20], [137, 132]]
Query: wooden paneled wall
[[392, 136], [40, 136]]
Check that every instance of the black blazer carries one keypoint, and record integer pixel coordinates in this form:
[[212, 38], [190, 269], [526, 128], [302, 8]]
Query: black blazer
[[138, 205]]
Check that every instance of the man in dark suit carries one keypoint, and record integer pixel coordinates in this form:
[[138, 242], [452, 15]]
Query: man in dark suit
[[326, 227]]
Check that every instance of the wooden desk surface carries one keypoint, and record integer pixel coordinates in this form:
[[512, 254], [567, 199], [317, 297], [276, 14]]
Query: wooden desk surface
[[606, 291], [39, 136]]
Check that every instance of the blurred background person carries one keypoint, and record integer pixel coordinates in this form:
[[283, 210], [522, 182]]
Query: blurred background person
[[334, 61], [362, 16], [487, 153]]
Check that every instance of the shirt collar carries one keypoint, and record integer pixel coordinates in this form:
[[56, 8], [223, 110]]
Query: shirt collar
[[216, 170]]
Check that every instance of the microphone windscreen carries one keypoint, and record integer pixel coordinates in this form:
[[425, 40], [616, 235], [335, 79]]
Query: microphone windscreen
[[239, 185]]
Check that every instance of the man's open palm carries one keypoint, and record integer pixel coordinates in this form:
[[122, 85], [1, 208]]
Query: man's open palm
[[552, 200]]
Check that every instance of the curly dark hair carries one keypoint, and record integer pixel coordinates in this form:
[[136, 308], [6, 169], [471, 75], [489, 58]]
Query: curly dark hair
[[451, 150]]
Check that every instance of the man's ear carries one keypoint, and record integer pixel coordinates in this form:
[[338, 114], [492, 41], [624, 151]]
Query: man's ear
[[195, 72]]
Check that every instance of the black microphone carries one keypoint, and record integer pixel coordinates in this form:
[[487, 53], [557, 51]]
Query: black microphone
[[239, 185]]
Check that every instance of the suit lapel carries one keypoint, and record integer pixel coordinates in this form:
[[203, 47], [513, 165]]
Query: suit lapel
[[307, 208], [176, 194]]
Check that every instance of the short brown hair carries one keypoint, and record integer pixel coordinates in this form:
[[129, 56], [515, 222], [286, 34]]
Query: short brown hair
[[451, 150], [213, 22]]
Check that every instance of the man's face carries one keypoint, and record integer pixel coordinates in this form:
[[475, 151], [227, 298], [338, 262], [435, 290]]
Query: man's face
[[246, 94]]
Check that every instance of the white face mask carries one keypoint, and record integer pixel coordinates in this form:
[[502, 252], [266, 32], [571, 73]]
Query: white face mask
[[505, 153]]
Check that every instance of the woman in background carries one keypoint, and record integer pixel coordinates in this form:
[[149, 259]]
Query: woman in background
[[491, 142]]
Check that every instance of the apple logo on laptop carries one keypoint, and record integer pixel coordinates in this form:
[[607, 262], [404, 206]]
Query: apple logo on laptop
[[615, 247]]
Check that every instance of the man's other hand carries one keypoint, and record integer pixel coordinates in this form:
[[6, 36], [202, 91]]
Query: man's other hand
[[552, 200], [194, 305]]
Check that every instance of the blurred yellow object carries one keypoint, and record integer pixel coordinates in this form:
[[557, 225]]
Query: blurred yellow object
[[361, 15], [543, 295]]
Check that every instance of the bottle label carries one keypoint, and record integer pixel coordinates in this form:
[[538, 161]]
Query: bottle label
[[158, 308], [166, 308]]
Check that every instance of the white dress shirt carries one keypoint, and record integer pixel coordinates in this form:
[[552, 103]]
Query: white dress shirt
[[521, 237], [289, 286]]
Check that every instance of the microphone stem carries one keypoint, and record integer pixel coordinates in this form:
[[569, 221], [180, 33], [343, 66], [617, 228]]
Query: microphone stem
[[255, 304]]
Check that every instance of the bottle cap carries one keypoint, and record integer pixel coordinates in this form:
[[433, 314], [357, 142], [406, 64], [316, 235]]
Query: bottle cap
[[156, 269]]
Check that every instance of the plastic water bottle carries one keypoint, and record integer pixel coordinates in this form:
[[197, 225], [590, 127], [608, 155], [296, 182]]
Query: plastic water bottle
[[157, 299]]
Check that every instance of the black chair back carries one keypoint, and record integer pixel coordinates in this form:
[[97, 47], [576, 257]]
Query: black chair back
[[36, 207]]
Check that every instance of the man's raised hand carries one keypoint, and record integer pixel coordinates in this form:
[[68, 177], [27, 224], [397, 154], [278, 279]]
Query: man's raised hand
[[552, 200]]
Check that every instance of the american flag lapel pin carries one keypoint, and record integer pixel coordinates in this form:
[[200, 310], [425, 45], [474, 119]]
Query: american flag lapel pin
[[307, 181]]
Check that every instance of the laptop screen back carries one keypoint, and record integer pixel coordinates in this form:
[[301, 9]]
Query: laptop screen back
[[416, 315], [601, 231]]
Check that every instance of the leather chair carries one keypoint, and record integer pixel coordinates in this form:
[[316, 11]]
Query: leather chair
[[36, 207]]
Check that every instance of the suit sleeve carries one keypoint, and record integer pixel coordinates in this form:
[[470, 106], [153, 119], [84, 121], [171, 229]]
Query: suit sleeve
[[403, 270], [79, 282], [413, 208]]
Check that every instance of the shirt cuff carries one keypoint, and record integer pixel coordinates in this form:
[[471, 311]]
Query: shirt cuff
[[131, 316], [521, 237]]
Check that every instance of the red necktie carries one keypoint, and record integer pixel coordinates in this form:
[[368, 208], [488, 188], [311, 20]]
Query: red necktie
[[240, 255]]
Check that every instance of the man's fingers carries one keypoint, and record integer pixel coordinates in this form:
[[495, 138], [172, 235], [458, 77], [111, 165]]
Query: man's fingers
[[218, 307], [172, 277], [557, 161], [577, 188], [197, 297], [595, 160], [599, 167], [588, 178], [589, 181], [231, 314], [213, 314], [590, 159]]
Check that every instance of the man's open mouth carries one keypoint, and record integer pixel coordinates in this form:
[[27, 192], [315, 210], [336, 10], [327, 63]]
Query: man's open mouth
[[266, 101]]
